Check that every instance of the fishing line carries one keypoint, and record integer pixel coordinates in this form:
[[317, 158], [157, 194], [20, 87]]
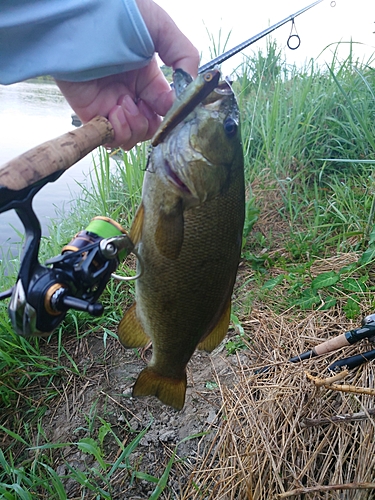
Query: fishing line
[[333, 3], [294, 40]]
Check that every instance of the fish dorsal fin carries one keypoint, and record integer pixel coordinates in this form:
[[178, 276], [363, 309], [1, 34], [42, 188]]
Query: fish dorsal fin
[[170, 391], [169, 233], [217, 334], [130, 331], [137, 225]]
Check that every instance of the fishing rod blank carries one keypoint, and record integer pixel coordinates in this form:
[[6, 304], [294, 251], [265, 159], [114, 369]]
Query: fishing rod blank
[[223, 57]]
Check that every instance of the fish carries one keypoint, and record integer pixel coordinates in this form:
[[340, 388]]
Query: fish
[[187, 232]]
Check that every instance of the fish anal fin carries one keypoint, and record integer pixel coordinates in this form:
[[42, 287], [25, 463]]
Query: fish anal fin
[[170, 391], [130, 331], [169, 233], [217, 334], [137, 225]]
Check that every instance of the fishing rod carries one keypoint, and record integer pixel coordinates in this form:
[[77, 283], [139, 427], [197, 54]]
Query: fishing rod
[[230, 53], [365, 331], [76, 278]]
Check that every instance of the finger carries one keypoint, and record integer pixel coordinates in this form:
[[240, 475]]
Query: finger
[[173, 47], [121, 128], [188, 62], [182, 55], [154, 119], [153, 89], [130, 123]]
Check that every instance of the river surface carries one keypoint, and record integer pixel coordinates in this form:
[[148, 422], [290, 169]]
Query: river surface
[[30, 114]]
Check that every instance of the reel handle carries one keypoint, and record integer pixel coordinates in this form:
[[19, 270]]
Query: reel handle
[[55, 155]]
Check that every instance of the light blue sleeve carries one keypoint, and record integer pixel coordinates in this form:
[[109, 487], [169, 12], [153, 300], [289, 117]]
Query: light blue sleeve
[[74, 40]]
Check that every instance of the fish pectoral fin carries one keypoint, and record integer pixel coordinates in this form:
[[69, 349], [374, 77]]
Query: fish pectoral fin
[[170, 391], [169, 233], [217, 334], [137, 225], [130, 331]]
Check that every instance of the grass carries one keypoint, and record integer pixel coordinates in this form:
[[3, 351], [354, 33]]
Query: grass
[[309, 246]]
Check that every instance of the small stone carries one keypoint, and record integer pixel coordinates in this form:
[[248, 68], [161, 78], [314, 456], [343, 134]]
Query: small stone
[[61, 470], [167, 436], [211, 417], [134, 424]]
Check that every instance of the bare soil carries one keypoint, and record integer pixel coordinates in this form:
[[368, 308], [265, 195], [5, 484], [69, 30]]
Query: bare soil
[[103, 391]]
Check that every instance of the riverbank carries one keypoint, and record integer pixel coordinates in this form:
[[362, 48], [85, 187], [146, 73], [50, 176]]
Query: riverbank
[[69, 426]]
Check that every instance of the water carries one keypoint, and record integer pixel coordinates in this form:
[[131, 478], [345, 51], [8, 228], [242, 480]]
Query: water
[[32, 113]]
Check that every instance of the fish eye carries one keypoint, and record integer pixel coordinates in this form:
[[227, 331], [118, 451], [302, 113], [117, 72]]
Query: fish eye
[[230, 127]]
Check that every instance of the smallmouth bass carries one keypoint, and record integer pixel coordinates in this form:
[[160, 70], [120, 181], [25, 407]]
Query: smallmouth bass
[[188, 232]]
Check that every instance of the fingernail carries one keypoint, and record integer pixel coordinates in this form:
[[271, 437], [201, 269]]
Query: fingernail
[[120, 115], [128, 104]]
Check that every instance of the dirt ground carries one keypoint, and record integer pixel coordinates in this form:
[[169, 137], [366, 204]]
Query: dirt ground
[[103, 391]]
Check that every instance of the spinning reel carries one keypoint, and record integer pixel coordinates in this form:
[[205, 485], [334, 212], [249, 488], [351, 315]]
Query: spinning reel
[[76, 278]]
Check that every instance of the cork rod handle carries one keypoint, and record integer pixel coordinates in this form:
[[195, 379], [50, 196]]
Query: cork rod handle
[[55, 155]]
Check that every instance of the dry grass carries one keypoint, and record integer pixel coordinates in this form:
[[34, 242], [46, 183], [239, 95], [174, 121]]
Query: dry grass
[[281, 436]]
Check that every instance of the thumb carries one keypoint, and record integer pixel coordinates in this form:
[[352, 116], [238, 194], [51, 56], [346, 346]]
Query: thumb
[[173, 47]]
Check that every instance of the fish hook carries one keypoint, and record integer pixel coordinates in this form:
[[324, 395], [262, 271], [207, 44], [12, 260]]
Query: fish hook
[[148, 163], [293, 36]]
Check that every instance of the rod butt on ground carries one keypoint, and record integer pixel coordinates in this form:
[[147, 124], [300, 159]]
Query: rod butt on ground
[[303, 356]]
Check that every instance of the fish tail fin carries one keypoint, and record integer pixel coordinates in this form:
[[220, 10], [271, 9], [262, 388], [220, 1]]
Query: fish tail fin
[[170, 391]]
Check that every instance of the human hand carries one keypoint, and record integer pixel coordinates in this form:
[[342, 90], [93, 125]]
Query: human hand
[[134, 101]]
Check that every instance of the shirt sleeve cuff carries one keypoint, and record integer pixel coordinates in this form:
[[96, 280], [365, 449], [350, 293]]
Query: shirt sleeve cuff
[[74, 40]]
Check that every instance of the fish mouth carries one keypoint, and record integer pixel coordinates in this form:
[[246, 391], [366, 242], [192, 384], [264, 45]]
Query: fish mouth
[[224, 88], [175, 178], [221, 92]]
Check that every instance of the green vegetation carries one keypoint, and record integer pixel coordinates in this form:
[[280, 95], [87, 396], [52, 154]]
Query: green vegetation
[[309, 244], [308, 138], [167, 72]]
